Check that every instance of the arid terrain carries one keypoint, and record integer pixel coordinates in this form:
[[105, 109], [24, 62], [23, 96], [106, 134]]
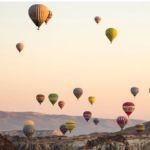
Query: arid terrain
[[89, 142], [105, 136]]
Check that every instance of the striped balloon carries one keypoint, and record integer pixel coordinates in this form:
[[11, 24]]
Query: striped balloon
[[122, 121], [19, 46], [128, 108], [39, 13]]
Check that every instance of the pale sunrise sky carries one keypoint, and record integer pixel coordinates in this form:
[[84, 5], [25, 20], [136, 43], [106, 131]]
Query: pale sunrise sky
[[73, 51]]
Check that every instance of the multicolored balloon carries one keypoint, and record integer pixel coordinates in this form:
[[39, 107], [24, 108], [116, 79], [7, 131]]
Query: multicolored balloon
[[140, 128], [111, 34], [122, 121], [28, 130], [128, 108], [39, 13]]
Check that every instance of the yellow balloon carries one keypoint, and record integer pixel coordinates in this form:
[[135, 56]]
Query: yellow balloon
[[140, 128], [28, 122], [70, 125], [111, 34], [92, 99]]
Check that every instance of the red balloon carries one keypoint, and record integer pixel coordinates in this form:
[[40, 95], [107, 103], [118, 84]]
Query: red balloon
[[128, 108], [122, 121], [40, 98], [87, 115], [61, 104]]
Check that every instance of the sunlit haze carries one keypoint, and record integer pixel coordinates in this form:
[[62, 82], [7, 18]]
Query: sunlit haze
[[72, 51]]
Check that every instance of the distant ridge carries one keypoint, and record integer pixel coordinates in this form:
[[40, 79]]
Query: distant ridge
[[14, 121]]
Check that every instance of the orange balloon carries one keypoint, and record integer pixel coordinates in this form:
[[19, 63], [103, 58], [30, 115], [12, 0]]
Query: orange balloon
[[61, 104]]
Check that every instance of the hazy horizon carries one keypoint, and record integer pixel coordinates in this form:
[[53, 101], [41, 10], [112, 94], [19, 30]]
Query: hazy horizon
[[72, 51]]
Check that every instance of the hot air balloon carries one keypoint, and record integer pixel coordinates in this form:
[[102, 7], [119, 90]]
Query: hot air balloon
[[77, 92], [96, 121], [28, 122], [28, 130], [134, 91], [70, 125], [39, 13], [63, 129], [40, 98], [92, 100], [61, 104], [87, 115], [128, 108], [19, 46], [53, 98], [111, 33], [49, 17], [140, 128], [122, 121], [97, 19]]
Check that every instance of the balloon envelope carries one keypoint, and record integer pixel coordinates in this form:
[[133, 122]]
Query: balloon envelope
[[61, 104], [63, 129], [53, 97], [39, 13], [122, 121], [78, 92], [49, 17], [19, 46], [97, 19], [70, 125], [29, 122], [134, 91], [140, 128], [28, 130], [92, 99], [87, 115], [111, 34], [96, 121], [128, 108], [40, 98]]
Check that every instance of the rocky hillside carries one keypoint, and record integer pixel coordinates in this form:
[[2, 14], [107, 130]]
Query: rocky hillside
[[5, 144], [87, 142]]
